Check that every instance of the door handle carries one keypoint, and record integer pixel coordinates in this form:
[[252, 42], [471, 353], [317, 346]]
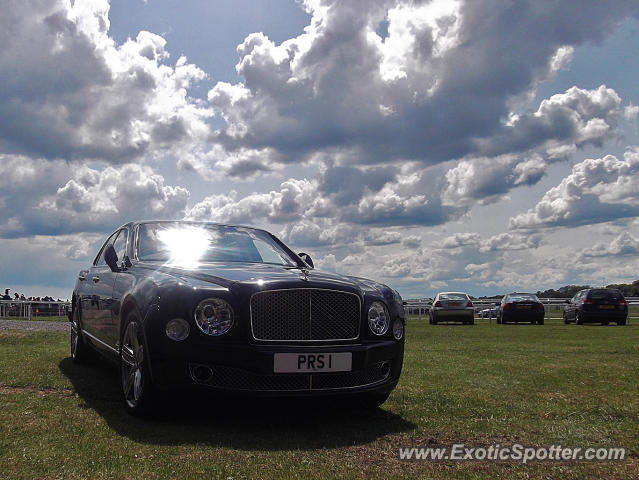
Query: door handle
[[96, 279], [81, 277]]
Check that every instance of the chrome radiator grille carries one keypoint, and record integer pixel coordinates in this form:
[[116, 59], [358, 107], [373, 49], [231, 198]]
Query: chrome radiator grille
[[305, 314]]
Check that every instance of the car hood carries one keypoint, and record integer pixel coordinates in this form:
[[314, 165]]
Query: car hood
[[264, 276]]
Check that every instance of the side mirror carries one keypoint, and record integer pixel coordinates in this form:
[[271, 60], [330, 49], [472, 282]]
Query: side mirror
[[404, 303], [429, 303], [567, 301], [111, 258], [306, 258]]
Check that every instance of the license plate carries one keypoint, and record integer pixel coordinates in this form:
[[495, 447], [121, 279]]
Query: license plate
[[312, 362], [524, 306], [607, 306]]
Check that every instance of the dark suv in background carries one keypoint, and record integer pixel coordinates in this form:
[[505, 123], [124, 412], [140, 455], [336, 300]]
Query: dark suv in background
[[597, 305]]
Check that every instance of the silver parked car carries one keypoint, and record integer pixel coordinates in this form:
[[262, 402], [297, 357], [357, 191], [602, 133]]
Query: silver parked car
[[452, 307]]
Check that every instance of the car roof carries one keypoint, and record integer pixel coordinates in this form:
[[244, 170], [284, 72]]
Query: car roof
[[458, 293], [190, 222]]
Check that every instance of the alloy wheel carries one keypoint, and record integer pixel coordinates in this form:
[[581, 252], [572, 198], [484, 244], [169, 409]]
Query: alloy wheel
[[132, 365]]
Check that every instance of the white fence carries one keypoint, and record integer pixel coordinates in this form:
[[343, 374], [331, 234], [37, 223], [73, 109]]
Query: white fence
[[33, 308]]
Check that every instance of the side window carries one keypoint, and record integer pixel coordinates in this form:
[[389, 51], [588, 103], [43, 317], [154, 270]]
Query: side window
[[120, 244], [99, 259]]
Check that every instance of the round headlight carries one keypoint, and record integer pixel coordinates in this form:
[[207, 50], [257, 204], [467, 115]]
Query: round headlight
[[398, 329], [378, 318], [214, 316], [177, 329]]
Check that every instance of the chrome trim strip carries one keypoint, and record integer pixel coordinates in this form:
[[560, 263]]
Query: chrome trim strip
[[359, 320], [93, 337]]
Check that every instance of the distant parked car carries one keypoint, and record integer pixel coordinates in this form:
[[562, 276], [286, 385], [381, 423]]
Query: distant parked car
[[451, 307], [489, 312], [597, 305], [521, 307]]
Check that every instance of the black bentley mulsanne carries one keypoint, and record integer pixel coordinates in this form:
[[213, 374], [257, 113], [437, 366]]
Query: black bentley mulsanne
[[232, 309]]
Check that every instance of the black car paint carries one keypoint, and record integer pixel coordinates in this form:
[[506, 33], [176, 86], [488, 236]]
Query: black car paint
[[157, 293], [529, 310]]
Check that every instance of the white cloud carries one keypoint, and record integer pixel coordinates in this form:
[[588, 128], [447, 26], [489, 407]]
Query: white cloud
[[94, 200], [343, 88], [461, 240], [70, 92], [597, 190], [510, 241], [624, 244]]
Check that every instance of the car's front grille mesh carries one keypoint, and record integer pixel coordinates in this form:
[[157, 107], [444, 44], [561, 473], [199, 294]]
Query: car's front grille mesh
[[238, 379], [305, 315]]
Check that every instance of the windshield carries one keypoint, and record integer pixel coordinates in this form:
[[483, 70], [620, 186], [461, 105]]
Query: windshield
[[523, 297], [191, 243]]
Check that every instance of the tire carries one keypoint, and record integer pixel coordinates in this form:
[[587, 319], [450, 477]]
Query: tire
[[578, 319], [81, 352], [540, 322], [566, 322], [471, 322], [135, 378], [606, 323], [621, 322]]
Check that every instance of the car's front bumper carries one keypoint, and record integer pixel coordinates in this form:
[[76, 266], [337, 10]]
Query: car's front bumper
[[245, 368]]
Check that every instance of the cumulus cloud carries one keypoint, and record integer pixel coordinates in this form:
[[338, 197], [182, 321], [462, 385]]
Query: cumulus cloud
[[510, 241], [94, 200], [343, 87], [461, 240], [624, 244], [70, 92], [597, 190]]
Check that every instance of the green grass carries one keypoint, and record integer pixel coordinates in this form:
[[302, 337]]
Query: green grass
[[478, 385]]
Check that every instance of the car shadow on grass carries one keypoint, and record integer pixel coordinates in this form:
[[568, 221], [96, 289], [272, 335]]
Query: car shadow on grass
[[244, 423]]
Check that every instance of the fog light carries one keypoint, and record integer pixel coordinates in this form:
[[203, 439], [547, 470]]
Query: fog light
[[398, 329], [177, 329]]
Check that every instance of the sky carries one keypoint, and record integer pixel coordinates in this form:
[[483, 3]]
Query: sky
[[484, 146]]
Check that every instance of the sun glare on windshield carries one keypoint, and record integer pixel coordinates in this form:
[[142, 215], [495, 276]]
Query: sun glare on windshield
[[185, 246]]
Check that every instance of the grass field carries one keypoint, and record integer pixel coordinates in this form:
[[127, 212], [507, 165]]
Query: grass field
[[478, 385]]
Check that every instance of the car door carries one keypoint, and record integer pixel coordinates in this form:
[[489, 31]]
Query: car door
[[103, 287], [123, 281], [89, 297]]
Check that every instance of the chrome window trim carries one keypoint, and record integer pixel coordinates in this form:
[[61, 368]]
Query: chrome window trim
[[359, 320]]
